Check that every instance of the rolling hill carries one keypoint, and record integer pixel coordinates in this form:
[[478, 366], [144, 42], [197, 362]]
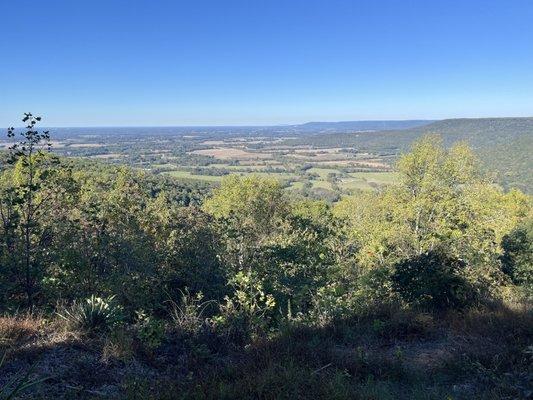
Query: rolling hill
[[505, 145]]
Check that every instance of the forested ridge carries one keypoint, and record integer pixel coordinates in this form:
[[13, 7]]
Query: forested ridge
[[504, 145], [117, 283]]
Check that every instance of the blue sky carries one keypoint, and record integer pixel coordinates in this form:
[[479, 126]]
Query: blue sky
[[94, 63]]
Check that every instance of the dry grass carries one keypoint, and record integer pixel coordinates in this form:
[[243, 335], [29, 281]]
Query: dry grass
[[14, 330]]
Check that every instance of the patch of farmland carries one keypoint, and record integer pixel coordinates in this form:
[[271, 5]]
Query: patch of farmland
[[84, 145], [377, 177], [109, 155], [359, 163], [230, 153]]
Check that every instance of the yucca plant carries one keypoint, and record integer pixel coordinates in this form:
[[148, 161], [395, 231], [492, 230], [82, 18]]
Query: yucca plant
[[94, 314], [18, 383]]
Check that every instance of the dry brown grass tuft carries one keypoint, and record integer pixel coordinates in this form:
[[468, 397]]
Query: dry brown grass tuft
[[14, 330]]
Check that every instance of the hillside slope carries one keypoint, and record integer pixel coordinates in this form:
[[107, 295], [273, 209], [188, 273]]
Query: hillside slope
[[504, 144]]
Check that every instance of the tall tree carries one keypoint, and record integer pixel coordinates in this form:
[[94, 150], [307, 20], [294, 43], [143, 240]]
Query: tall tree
[[34, 167]]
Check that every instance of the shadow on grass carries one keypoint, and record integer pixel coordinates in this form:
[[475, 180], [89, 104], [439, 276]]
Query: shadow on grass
[[388, 354]]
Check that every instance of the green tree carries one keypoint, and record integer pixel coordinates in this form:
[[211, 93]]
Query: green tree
[[287, 248], [187, 246], [250, 210], [444, 204], [27, 200]]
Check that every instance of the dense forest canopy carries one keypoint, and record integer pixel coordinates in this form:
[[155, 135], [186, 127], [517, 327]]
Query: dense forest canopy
[[106, 247]]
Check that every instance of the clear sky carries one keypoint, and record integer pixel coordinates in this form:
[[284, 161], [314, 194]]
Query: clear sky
[[199, 62]]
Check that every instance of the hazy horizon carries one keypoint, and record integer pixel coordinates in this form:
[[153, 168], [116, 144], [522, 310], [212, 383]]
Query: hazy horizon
[[19, 124]]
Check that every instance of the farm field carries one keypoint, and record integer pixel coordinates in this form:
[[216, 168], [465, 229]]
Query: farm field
[[207, 156], [323, 170], [346, 182]]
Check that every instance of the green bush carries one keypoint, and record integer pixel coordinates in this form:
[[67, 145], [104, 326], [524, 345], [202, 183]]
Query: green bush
[[249, 310], [432, 280], [517, 259], [151, 330]]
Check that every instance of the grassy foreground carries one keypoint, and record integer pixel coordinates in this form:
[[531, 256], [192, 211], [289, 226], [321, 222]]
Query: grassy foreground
[[393, 354]]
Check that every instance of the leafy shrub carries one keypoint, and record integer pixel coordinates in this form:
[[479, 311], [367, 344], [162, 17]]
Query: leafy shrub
[[249, 310], [432, 280], [94, 314], [358, 294], [151, 330]]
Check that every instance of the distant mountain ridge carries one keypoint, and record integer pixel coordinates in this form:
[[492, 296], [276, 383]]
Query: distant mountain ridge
[[369, 125], [465, 128]]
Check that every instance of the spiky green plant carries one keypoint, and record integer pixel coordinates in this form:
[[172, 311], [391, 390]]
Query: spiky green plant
[[94, 314]]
